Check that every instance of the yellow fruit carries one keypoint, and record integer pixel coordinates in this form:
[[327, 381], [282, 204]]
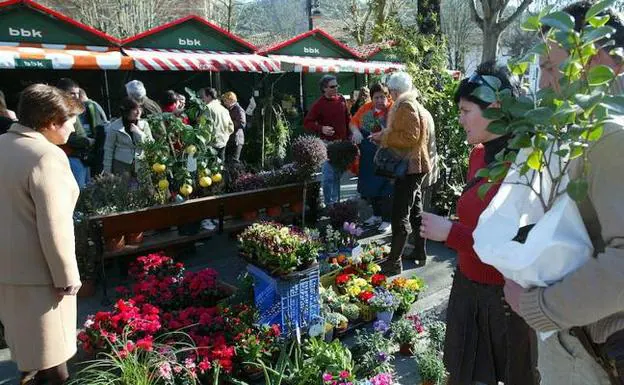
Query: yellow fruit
[[217, 178], [163, 184], [158, 168], [205, 181], [191, 149], [186, 189]]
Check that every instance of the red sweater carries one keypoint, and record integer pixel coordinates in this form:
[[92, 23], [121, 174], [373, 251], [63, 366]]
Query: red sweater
[[469, 208], [329, 112]]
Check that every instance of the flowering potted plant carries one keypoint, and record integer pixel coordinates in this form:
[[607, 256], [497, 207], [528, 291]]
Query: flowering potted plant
[[406, 290], [405, 332], [337, 321], [351, 311], [342, 377], [309, 153], [278, 248], [341, 212], [374, 351], [384, 303]]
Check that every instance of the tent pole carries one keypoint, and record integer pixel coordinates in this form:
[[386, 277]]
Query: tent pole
[[301, 91], [108, 103]]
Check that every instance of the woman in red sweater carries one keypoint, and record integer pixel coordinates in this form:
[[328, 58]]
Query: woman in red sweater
[[486, 342]]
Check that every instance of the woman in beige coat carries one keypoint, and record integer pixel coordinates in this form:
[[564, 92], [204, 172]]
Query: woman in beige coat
[[38, 271]]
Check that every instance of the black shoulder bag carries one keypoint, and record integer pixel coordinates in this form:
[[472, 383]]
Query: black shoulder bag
[[389, 164]]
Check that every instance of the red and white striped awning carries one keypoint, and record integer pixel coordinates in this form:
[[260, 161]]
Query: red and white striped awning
[[316, 64], [61, 57], [155, 59]]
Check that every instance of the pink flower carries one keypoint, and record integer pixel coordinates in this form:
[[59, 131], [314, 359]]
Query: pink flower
[[344, 374], [165, 370], [327, 377]]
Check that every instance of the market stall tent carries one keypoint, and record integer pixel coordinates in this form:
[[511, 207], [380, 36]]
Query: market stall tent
[[36, 42], [193, 52], [314, 53]]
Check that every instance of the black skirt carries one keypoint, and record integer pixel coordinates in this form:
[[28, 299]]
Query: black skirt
[[486, 341]]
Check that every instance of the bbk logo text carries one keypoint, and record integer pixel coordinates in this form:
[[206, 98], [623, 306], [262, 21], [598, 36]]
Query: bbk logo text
[[21, 32], [311, 50], [189, 42]]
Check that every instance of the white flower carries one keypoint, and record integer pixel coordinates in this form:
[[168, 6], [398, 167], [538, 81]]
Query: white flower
[[88, 323]]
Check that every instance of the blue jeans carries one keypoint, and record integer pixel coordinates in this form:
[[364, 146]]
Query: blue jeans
[[330, 184], [80, 171]]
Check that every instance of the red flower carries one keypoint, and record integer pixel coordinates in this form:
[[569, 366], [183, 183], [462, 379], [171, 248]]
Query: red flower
[[342, 279], [145, 343], [378, 279], [349, 270], [365, 296]]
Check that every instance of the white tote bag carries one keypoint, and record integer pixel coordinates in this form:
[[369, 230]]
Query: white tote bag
[[556, 246]]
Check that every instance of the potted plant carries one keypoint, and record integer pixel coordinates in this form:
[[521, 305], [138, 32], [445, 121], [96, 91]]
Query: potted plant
[[430, 367], [405, 332], [309, 153], [384, 303], [338, 321], [406, 290], [351, 311], [374, 351]]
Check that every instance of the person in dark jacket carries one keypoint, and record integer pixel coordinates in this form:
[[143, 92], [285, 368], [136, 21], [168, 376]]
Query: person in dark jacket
[[236, 141], [79, 145], [329, 118]]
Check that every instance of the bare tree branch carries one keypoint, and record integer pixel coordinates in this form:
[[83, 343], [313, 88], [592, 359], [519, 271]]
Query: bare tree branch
[[475, 16], [523, 7]]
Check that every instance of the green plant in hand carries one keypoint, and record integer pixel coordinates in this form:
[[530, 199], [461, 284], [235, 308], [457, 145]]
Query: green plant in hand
[[554, 128]]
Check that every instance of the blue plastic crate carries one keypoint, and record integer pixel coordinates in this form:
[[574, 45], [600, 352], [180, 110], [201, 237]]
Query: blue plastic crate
[[289, 302]]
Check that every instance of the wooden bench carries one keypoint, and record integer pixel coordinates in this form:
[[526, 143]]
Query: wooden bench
[[192, 211]]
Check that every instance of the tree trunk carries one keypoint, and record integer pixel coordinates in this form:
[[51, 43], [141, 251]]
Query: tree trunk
[[491, 35], [429, 17]]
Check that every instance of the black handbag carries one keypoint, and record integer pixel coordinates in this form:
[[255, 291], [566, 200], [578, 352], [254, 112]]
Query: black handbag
[[389, 164]]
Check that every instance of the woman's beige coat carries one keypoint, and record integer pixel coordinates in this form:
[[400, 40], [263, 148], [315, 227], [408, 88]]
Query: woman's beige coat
[[38, 194]]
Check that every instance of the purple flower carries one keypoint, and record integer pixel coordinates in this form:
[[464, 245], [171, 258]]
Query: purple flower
[[382, 356], [381, 326]]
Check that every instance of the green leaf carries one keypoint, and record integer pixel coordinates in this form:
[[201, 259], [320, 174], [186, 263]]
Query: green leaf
[[597, 8], [576, 152], [498, 127], [540, 115], [538, 49], [598, 21], [593, 134], [498, 173], [524, 169], [518, 68], [482, 173], [532, 23], [493, 113], [599, 75], [559, 20], [485, 94], [520, 141], [615, 103], [483, 190], [534, 161], [588, 102], [562, 153], [577, 189], [599, 33], [492, 81]]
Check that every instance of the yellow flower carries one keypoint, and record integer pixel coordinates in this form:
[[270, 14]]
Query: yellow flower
[[360, 282], [353, 290], [412, 284], [374, 268]]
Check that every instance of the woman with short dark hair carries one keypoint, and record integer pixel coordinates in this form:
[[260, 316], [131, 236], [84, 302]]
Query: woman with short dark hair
[[39, 275], [486, 342], [121, 149]]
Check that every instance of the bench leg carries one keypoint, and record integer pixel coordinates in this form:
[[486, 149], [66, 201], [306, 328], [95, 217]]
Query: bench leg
[[221, 218]]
